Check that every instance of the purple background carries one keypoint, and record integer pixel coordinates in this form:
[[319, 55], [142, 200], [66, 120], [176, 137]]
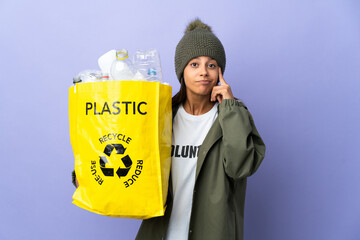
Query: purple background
[[296, 64]]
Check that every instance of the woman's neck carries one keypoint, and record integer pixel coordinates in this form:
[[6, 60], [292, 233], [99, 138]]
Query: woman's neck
[[198, 105]]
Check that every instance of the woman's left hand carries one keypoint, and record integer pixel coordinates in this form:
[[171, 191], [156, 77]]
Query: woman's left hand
[[222, 91]]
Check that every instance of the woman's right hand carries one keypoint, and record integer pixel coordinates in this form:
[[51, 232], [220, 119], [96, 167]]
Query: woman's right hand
[[76, 183]]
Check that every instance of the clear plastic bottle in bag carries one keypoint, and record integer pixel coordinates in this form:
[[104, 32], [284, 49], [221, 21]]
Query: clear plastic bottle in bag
[[105, 62], [88, 76], [122, 67], [147, 63]]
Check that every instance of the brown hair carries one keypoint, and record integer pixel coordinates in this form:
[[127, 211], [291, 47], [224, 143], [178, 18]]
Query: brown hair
[[180, 96]]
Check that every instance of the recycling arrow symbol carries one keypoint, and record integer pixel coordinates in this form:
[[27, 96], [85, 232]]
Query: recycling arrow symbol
[[109, 151]]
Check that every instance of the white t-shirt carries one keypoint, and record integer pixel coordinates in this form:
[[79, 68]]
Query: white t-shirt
[[189, 131]]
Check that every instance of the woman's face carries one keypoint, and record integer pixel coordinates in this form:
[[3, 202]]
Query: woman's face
[[201, 75]]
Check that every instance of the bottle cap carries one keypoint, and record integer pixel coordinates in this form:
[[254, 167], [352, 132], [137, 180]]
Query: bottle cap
[[123, 54]]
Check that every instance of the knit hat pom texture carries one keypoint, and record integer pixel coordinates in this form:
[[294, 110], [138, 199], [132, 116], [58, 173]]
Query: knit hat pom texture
[[197, 23]]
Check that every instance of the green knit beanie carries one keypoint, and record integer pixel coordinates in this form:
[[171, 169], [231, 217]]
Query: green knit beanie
[[198, 40]]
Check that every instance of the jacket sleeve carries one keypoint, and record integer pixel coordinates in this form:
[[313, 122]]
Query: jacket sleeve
[[244, 149]]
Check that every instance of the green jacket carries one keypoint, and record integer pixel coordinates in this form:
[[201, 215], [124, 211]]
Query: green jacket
[[231, 151]]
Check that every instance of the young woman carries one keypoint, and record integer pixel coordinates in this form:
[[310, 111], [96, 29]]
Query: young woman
[[215, 146]]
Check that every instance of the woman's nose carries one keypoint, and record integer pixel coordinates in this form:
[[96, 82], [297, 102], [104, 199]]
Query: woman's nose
[[203, 70]]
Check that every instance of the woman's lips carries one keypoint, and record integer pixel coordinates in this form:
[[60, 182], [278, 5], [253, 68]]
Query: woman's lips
[[204, 81]]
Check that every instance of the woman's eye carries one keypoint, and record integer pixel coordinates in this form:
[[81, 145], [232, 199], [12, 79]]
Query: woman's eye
[[211, 65], [194, 64]]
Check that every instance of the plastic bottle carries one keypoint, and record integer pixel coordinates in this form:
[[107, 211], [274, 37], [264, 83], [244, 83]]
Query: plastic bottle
[[105, 77], [105, 62], [122, 67], [88, 76], [147, 62]]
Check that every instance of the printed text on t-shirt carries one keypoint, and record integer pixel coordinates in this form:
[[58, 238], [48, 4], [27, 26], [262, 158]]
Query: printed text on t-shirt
[[187, 151]]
